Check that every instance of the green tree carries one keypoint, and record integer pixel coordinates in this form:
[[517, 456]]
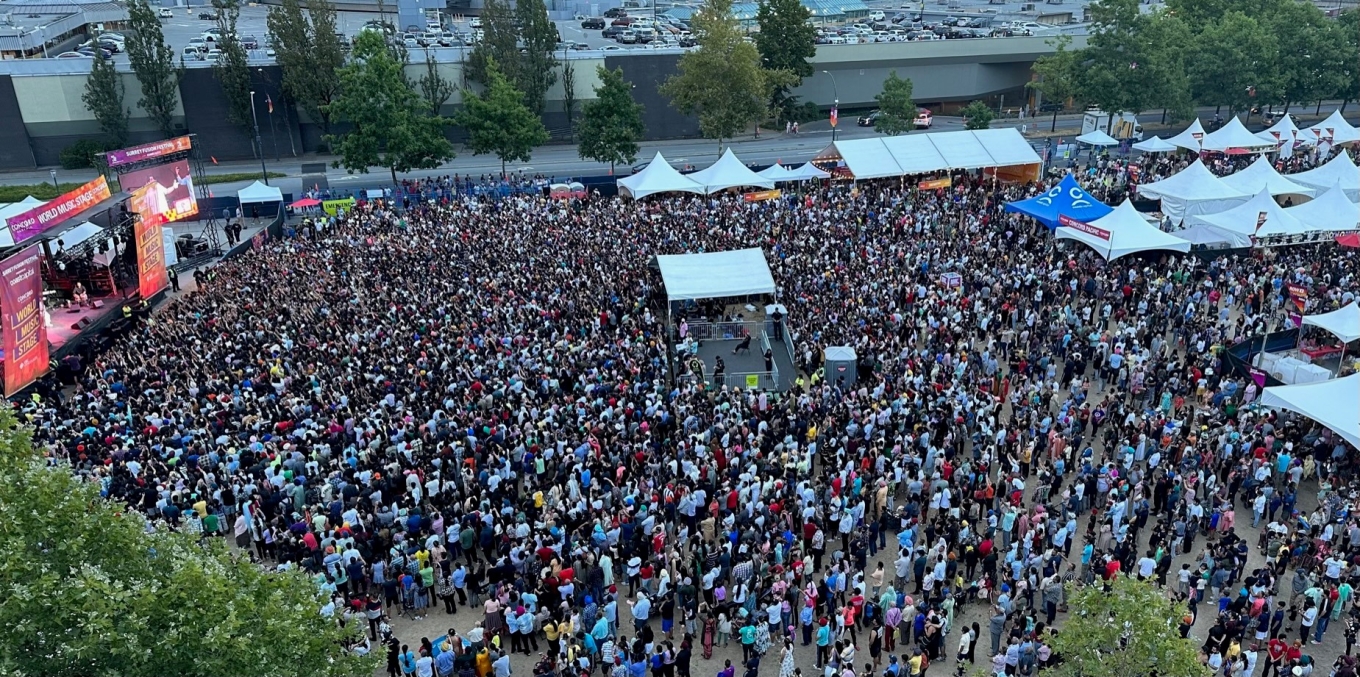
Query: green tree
[[498, 122], [1129, 630], [500, 43], [977, 115], [611, 124], [1311, 54], [389, 123], [1201, 13], [897, 112], [785, 41], [231, 69], [153, 62], [1348, 25], [310, 55], [1133, 61], [1232, 63], [569, 93], [721, 81], [434, 87], [537, 66], [104, 98], [1057, 75], [89, 591]]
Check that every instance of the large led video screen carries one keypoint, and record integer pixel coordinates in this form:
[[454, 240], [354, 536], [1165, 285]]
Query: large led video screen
[[161, 194]]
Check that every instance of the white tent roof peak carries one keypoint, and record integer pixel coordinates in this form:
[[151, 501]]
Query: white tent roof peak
[[1285, 127], [808, 172], [1098, 138], [1340, 169], [1343, 323], [1261, 174], [776, 172], [1342, 131], [1330, 211], [1186, 139], [1193, 190], [1233, 134], [1122, 232], [713, 275], [657, 177], [1332, 403], [1154, 144], [1238, 225], [728, 172], [258, 192]]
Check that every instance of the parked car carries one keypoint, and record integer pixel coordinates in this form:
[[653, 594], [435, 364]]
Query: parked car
[[594, 23], [198, 44], [628, 37], [191, 53], [870, 119], [475, 23], [1050, 107], [166, 13], [924, 119], [213, 55], [447, 39], [73, 55], [212, 34], [250, 42], [612, 32], [615, 12], [611, 48], [623, 21], [876, 15]]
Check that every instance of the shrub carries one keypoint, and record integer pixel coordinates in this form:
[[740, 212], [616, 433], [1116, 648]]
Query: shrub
[[80, 155]]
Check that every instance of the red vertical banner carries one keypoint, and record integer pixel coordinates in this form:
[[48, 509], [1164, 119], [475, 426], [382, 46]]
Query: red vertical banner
[[151, 274], [21, 319], [835, 116]]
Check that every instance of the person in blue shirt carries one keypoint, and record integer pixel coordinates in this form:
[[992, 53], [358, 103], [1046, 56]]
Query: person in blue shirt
[[407, 660]]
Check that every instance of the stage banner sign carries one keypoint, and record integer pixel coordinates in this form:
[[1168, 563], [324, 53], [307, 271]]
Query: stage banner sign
[[147, 151], [21, 322], [935, 184], [151, 273], [1065, 220], [35, 221], [762, 195], [1299, 294]]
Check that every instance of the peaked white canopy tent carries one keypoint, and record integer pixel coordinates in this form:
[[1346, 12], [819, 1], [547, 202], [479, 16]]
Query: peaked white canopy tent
[[713, 275], [1261, 175], [1339, 170], [1193, 191], [728, 172], [1285, 128], [1344, 323], [1155, 145], [258, 192], [776, 172], [15, 209], [657, 177], [1233, 134], [1332, 403], [1097, 138], [809, 172], [1331, 211], [1122, 232], [885, 156], [1190, 138], [1341, 131], [1236, 227]]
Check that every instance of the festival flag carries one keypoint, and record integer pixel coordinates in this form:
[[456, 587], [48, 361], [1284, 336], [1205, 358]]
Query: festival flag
[[834, 116], [269, 102], [213, 158]]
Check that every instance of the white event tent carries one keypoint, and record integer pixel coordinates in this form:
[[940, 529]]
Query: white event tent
[[1154, 144], [11, 210], [1344, 323], [728, 172], [1331, 211], [1192, 191], [1332, 403], [1339, 169], [1290, 136], [1190, 138], [777, 172], [806, 172], [1233, 134], [657, 177], [885, 156], [1341, 131], [1260, 175], [712, 275], [1097, 138], [258, 192], [1236, 226], [1122, 232]]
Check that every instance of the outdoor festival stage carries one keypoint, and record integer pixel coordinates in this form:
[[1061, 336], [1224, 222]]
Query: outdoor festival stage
[[70, 324]]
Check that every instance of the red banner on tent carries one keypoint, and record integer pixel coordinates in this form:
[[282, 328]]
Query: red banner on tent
[[835, 116], [151, 273], [1260, 221], [21, 322], [1065, 220]]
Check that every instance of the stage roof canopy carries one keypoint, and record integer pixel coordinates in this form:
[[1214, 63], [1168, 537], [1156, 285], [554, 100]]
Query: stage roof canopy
[[1332, 403], [714, 275]]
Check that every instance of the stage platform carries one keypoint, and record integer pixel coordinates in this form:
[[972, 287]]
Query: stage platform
[[68, 324], [748, 362]]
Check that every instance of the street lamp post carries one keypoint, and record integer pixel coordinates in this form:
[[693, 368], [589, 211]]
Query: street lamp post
[[259, 145], [835, 114], [53, 172]]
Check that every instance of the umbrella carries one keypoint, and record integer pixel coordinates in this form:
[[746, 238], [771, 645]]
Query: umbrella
[[1238, 151], [1351, 240], [305, 202]]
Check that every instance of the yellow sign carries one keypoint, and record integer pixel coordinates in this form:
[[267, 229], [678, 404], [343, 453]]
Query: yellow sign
[[333, 207], [932, 184], [762, 195], [752, 381]]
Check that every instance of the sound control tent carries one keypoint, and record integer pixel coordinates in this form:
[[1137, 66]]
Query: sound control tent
[[1122, 232], [657, 177], [1154, 145], [257, 192], [1331, 212], [713, 275], [1343, 323], [1065, 199], [1097, 138], [728, 172], [1237, 226], [1260, 175], [1194, 190], [1332, 403]]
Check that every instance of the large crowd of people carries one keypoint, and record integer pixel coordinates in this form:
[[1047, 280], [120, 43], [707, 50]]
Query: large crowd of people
[[456, 413]]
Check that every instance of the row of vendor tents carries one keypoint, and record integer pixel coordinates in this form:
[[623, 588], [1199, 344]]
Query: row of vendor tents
[[1234, 138], [727, 173]]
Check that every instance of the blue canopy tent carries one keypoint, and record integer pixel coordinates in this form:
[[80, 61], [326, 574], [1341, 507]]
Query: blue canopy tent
[[1065, 199]]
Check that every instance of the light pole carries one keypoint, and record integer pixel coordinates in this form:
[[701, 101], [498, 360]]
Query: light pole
[[835, 114], [259, 145], [53, 172]]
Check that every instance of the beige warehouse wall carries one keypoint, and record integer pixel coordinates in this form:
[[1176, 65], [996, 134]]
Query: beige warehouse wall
[[56, 98]]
